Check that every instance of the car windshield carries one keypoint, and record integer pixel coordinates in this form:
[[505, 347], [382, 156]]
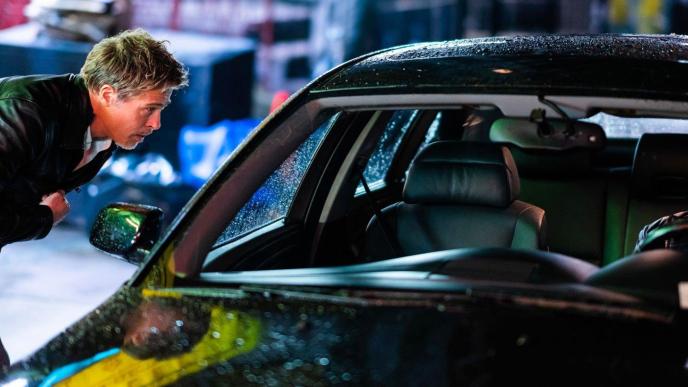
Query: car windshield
[[634, 127]]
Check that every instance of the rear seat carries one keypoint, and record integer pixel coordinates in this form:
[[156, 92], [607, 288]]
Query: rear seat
[[659, 183], [573, 196], [596, 216]]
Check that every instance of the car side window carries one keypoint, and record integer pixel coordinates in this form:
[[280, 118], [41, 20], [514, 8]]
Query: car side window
[[381, 158], [431, 134], [273, 199]]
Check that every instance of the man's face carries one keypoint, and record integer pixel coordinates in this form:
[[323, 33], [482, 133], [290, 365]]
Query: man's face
[[127, 121]]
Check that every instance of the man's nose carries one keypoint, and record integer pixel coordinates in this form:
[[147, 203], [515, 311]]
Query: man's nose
[[154, 121]]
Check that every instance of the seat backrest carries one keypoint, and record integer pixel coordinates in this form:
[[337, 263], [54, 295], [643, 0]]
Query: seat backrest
[[572, 193], [457, 194], [659, 182], [558, 174]]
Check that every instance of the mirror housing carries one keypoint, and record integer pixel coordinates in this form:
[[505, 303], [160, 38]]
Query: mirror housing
[[127, 231], [550, 134]]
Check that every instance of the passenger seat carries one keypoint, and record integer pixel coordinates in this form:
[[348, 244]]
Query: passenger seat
[[457, 194]]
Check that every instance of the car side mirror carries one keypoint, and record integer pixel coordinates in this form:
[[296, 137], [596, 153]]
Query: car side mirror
[[127, 231]]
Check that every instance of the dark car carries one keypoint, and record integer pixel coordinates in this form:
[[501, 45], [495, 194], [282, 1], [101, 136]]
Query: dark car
[[451, 213]]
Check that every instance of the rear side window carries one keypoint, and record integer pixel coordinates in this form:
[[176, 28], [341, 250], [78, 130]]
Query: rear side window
[[634, 127], [273, 199], [381, 158]]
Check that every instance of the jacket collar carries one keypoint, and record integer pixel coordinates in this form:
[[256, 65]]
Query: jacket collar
[[79, 116]]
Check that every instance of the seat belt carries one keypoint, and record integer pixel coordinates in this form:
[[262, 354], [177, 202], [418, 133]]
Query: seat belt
[[386, 231]]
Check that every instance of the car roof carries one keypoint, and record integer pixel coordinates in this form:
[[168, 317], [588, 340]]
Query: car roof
[[645, 66]]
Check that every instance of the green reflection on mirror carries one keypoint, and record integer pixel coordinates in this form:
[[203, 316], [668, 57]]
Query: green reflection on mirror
[[126, 230]]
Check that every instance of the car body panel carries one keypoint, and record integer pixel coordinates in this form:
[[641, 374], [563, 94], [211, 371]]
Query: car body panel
[[325, 337], [653, 67]]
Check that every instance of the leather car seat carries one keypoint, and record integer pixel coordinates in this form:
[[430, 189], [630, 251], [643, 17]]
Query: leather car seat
[[548, 176], [457, 194]]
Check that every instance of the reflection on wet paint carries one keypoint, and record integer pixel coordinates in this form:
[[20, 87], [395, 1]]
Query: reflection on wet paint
[[230, 333]]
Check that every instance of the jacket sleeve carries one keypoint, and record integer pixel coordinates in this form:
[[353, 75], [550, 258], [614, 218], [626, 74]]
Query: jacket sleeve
[[22, 139]]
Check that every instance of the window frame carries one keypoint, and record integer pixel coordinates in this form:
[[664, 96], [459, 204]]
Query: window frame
[[214, 206], [302, 202], [333, 120]]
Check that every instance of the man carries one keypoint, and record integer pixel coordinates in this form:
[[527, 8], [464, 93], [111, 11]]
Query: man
[[56, 132]]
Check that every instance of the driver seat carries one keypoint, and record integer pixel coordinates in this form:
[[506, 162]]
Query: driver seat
[[456, 195]]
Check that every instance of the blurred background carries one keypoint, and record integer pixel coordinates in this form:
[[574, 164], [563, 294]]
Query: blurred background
[[245, 57]]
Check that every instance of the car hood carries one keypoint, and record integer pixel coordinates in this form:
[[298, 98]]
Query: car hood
[[297, 337]]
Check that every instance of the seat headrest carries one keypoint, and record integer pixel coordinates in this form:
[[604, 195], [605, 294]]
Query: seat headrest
[[449, 172], [660, 166]]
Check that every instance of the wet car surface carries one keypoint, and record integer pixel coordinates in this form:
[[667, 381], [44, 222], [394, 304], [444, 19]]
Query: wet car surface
[[652, 66], [268, 337], [453, 213]]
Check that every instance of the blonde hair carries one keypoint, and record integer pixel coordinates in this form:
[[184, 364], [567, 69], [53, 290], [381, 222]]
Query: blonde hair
[[133, 62]]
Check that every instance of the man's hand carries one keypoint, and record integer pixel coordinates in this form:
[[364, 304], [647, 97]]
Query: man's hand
[[58, 205]]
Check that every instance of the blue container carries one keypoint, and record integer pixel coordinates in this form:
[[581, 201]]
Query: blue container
[[202, 149]]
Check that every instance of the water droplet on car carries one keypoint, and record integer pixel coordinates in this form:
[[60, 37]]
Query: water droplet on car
[[522, 340]]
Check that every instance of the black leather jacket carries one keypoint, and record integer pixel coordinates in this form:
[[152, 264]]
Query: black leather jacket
[[43, 120]]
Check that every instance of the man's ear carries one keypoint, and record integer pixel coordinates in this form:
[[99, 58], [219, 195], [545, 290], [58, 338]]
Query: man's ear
[[107, 94]]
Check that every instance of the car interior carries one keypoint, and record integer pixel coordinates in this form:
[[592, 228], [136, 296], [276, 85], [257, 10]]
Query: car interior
[[532, 200]]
